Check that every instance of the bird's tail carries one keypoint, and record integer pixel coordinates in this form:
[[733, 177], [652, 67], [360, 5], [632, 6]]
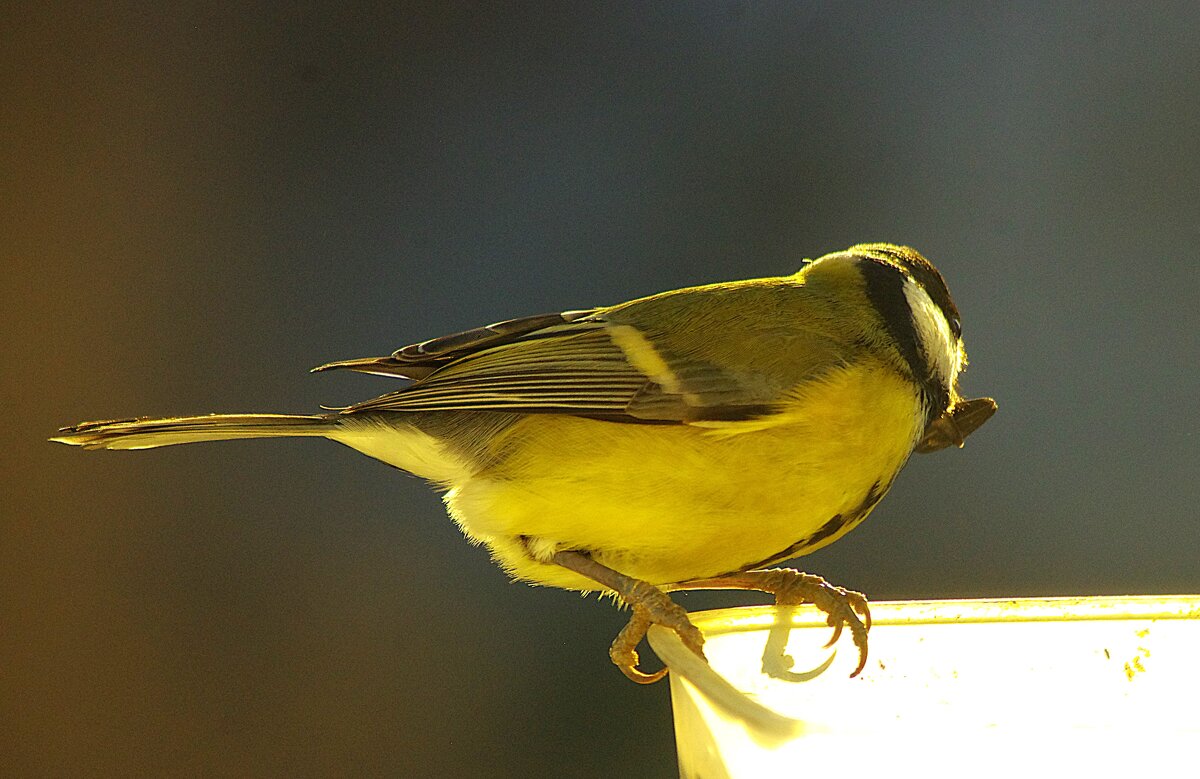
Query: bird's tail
[[145, 433]]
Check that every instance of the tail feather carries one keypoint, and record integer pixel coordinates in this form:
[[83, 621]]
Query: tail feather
[[146, 433]]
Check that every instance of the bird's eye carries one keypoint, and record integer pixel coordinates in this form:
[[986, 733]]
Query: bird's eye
[[956, 327]]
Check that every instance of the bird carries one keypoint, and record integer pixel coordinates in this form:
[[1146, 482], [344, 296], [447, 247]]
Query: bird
[[684, 440]]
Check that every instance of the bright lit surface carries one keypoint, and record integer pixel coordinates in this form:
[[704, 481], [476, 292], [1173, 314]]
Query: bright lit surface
[[1093, 686]]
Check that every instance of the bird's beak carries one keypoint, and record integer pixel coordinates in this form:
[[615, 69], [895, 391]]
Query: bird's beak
[[955, 425]]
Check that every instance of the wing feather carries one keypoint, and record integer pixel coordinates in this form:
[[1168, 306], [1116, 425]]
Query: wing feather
[[561, 371], [671, 358], [416, 361]]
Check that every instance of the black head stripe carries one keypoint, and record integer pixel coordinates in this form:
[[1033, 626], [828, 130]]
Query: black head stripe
[[885, 289], [927, 276]]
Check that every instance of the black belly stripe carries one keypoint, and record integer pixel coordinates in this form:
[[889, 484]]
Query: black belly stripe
[[830, 527]]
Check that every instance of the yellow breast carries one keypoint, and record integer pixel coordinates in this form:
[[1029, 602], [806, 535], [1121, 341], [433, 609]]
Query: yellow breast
[[668, 503]]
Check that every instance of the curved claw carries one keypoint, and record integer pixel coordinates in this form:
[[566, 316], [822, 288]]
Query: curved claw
[[862, 655], [846, 613], [634, 674], [791, 587], [837, 625], [860, 606], [650, 604], [843, 606], [623, 652]]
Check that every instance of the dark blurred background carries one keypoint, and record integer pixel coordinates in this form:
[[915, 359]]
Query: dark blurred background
[[201, 203]]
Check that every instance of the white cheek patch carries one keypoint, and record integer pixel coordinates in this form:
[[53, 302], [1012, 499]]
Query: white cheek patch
[[933, 331]]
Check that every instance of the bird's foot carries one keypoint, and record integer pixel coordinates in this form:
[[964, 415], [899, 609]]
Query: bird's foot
[[651, 606], [792, 587]]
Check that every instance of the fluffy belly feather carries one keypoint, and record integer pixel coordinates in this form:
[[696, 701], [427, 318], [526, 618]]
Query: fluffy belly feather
[[671, 503]]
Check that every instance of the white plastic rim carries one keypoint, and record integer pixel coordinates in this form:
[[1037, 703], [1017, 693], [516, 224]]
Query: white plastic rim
[[1097, 686]]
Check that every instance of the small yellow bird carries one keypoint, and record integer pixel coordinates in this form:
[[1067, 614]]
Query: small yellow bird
[[678, 441]]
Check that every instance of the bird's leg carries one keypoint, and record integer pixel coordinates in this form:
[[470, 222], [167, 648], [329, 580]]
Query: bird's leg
[[650, 606], [791, 587]]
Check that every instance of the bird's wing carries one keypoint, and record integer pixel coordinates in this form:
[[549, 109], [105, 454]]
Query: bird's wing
[[608, 363], [416, 361]]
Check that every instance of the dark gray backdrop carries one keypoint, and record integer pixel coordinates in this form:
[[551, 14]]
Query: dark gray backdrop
[[201, 203]]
